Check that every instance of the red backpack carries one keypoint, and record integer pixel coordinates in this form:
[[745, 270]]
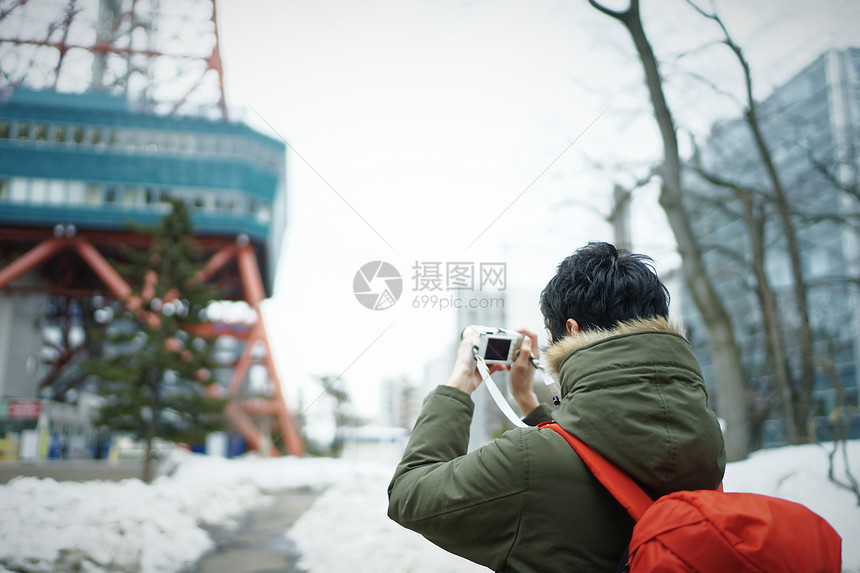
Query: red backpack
[[708, 531]]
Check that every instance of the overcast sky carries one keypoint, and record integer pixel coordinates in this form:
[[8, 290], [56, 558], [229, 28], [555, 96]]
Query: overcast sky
[[468, 131]]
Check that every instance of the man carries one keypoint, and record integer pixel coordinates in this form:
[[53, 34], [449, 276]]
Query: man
[[632, 390]]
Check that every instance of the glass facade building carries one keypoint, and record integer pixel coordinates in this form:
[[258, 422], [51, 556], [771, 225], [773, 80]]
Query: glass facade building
[[811, 126]]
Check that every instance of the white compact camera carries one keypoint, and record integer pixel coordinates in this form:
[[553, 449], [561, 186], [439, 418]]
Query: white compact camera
[[496, 345]]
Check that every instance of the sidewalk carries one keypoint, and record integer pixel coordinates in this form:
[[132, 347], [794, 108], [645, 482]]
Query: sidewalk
[[258, 545], [70, 470]]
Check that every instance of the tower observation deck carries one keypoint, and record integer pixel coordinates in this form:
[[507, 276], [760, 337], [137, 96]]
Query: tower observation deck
[[92, 162], [83, 164]]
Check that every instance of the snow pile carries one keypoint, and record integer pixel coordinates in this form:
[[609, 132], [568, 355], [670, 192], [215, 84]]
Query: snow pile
[[98, 527]]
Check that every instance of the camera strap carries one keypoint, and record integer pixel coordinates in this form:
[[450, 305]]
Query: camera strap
[[500, 400], [549, 381]]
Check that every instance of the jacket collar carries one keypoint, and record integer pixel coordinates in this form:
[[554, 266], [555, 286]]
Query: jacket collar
[[558, 352]]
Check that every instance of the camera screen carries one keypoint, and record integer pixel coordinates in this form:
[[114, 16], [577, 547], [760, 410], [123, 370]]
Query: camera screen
[[497, 348]]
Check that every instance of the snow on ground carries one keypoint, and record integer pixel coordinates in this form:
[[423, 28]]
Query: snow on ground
[[347, 529], [101, 526], [96, 527]]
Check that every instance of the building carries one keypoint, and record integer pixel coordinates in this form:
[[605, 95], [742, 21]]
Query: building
[[811, 124], [400, 402], [77, 173]]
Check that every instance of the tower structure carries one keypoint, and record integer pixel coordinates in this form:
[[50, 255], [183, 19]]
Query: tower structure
[[163, 56], [108, 109]]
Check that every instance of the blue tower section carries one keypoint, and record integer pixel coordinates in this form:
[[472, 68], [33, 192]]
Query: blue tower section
[[94, 162]]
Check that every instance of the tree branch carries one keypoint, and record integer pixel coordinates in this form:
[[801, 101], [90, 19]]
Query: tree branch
[[634, 5]]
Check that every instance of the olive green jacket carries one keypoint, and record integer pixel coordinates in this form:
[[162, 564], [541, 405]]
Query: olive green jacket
[[525, 502]]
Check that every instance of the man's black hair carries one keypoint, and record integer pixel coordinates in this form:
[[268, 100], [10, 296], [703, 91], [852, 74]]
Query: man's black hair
[[600, 286]]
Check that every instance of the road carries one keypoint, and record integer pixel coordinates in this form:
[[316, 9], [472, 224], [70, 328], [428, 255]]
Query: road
[[259, 544]]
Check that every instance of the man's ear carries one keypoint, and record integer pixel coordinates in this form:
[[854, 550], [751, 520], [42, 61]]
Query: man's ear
[[572, 326]]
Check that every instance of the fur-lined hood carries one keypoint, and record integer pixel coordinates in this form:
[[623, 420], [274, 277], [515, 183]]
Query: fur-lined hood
[[557, 353], [635, 394]]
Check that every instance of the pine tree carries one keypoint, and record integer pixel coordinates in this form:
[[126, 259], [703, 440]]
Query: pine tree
[[154, 370]]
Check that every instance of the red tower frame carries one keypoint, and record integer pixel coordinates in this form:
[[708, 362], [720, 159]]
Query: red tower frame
[[241, 412], [166, 63], [143, 53]]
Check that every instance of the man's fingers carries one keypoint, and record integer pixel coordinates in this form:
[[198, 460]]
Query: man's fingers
[[525, 349], [533, 340]]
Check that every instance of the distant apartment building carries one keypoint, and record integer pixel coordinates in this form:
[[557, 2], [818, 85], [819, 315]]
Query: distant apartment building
[[811, 124], [400, 401]]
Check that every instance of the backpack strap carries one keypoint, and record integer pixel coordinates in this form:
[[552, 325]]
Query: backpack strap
[[619, 484]]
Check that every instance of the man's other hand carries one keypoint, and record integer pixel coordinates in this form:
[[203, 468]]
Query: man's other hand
[[522, 373]]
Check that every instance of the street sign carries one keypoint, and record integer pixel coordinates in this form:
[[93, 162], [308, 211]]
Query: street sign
[[24, 409]]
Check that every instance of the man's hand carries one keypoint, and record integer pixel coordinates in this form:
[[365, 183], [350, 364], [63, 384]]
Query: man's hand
[[522, 374], [465, 375]]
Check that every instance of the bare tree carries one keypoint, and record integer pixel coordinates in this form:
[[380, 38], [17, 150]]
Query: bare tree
[[754, 207], [841, 419], [797, 407], [721, 339]]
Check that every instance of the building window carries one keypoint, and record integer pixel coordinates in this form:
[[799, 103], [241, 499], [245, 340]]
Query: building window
[[96, 137], [128, 197], [4, 190], [225, 202], [113, 138], [179, 143], [224, 145], [18, 190], [132, 140], [40, 133], [23, 130], [77, 135], [164, 197], [166, 142], [59, 134], [56, 191], [39, 191], [183, 195], [149, 196], [264, 214], [77, 193], [206, 144], [5, 129], [272, 158], [150, 145], [110, 196], [187, 143], [94, 194]]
